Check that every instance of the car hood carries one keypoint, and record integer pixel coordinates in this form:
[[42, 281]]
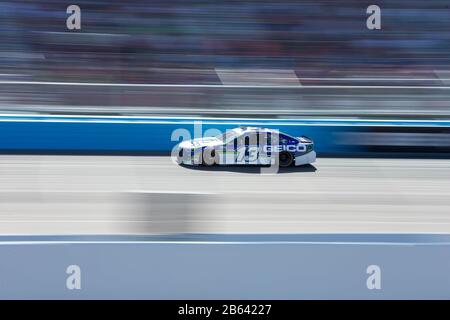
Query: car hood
[[304, 139], [201, 142]]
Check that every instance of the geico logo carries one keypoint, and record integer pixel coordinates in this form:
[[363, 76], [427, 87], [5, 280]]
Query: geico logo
[[290, 148]]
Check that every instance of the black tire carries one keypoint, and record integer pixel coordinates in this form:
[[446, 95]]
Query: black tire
[[207, 159], [285, 159], [179, 156]]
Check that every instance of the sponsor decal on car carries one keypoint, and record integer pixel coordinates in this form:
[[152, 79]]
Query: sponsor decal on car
[[289, 147]]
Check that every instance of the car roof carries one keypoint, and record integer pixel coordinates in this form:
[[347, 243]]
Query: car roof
[[244, 129], [256, 129], [247, 129]]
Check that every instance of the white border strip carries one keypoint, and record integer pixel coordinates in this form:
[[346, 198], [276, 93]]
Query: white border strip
[[4, 243], [209, 120], [159, 85], [150, 118]]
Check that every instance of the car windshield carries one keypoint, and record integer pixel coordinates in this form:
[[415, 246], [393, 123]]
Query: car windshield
[[227, 136]]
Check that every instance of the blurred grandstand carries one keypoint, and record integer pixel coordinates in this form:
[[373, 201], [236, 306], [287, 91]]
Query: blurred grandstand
[[234, 58]]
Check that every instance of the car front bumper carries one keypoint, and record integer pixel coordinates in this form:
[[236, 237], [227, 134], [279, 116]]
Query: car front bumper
[[307, 158]]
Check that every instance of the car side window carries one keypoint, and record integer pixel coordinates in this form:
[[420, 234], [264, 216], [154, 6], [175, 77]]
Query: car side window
[[253, 139], [239, 141]]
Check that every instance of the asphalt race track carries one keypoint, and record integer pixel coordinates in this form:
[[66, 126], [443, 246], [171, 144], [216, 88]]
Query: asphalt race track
[[60, 195]]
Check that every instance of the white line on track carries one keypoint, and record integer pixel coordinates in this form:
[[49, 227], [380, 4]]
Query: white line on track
[[224, 120], [359, 123]]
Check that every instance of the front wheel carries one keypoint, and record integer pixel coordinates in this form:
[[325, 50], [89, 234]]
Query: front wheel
[[286, 159]]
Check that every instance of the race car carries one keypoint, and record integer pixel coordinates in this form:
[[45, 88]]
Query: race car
[[248, 146]]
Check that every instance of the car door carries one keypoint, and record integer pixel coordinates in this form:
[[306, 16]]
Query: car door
[[247, 148]]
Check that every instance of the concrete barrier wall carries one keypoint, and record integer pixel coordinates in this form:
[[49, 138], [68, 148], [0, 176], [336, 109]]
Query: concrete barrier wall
[[82, 134]]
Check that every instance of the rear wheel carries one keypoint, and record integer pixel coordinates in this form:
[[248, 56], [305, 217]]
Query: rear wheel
[[286, 159], [209, 157], [180, 155]]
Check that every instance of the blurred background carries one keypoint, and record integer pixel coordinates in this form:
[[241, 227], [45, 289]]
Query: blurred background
[[234, 58], [87, 122], [307, 67]]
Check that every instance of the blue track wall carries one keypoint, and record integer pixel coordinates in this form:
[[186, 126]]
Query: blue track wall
[[77, 134]]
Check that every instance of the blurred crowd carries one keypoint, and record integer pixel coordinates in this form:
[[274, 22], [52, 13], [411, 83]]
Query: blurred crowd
[[179, 41], [187, 41]]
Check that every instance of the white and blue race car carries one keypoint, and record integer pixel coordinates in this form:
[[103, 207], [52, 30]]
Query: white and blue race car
[[248, 146]]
